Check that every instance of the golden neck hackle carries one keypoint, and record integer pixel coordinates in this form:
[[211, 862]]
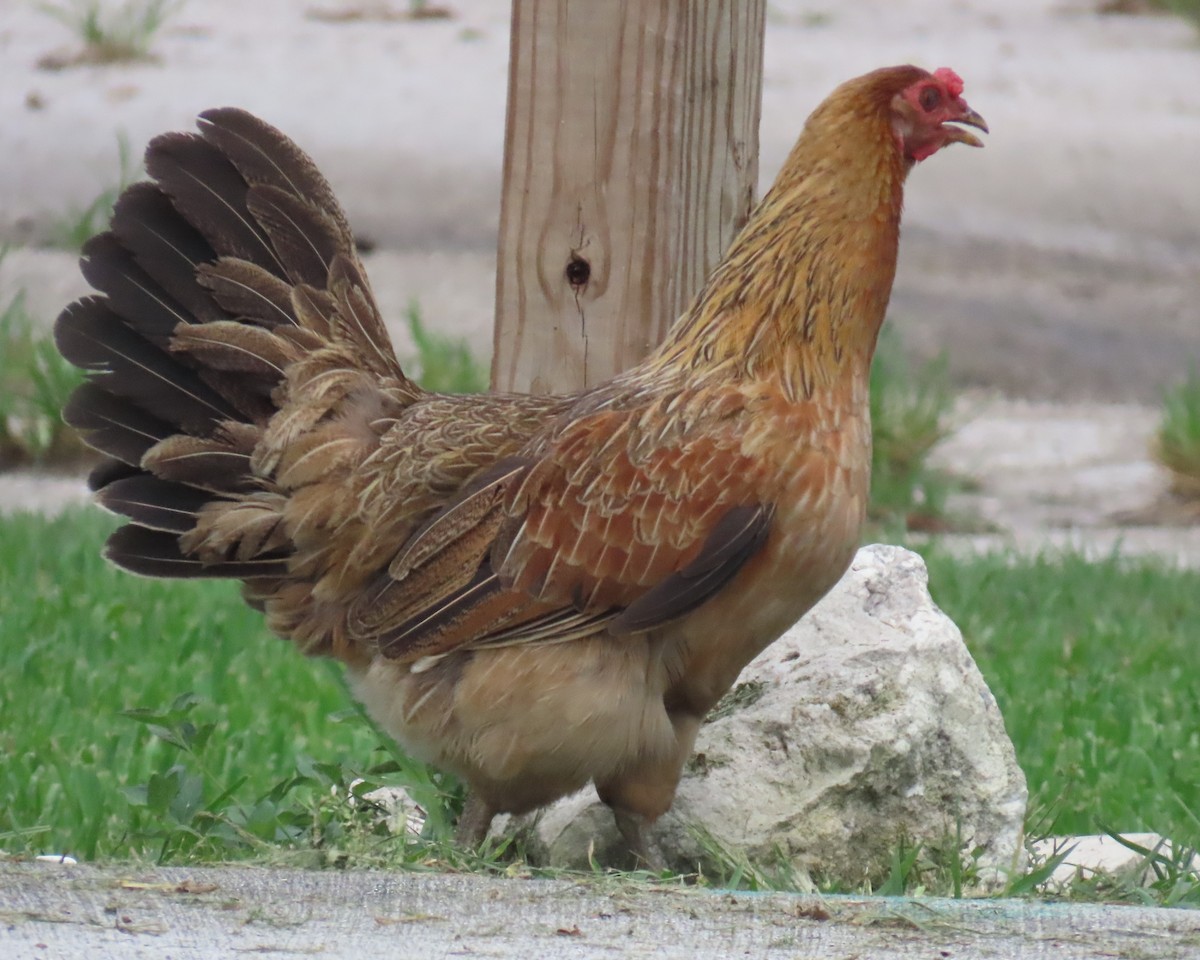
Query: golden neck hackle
[[802, 292]]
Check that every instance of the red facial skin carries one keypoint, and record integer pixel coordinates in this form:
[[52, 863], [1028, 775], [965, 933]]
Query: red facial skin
[[925, 115]]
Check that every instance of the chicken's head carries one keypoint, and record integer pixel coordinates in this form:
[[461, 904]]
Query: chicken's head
[[925, 115]]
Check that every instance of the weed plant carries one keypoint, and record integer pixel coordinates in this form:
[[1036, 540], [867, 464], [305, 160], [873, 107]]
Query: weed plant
[[1188, 9], [1178, 441], [35, 382], [443, 364], [911, 408], [78, 225], [109, 32]]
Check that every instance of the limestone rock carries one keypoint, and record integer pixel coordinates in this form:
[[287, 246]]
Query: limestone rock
[[866, 722]]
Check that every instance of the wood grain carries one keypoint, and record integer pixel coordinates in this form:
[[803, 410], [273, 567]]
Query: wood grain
[[631, 156]]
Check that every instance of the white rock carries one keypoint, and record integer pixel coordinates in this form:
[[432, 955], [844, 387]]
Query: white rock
[[871, 723], [396, 808], [1091, 855]]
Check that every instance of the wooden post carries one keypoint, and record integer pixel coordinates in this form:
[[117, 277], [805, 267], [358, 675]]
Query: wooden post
[[630, 162]]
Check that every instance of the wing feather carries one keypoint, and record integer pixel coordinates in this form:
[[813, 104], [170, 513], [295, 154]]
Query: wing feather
[[588, 530]]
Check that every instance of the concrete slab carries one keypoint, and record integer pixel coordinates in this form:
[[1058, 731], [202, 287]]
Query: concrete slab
[[129, 911], [1058, 263]]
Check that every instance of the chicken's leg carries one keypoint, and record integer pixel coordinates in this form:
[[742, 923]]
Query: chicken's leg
[[643, 793], [633, 828], [474, 823]]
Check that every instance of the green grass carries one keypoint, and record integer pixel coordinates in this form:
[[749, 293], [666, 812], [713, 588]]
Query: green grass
[[1096, 668], [443, 364], [159, 720], [109, 32], [35, 382], [1178, 442]]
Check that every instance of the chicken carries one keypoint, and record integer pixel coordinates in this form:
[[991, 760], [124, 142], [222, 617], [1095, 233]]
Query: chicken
[[534, 592]]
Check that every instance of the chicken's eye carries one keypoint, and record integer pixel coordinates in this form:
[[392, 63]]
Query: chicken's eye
[[931, 98]]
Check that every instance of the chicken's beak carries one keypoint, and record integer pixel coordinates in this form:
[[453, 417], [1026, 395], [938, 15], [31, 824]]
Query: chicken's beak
[[958, 134]]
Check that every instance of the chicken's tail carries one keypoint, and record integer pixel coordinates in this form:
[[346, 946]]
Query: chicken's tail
[[234, 325]]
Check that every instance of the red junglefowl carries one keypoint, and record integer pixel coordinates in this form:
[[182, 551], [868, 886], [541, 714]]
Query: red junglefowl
[[534, 592]]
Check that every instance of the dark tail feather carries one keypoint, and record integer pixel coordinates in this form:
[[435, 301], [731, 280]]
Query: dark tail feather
[[113, 425], [154, 503], [211, 195], [232, 267], [133, 295], [153, 553], [178, 414], [109, 471], [162, 244], [126, 365]]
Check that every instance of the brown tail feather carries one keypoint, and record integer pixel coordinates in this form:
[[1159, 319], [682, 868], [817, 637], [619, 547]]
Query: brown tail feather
[[357, 322], [221, 276], [246, 290], [304, 236], [109, 471], [220, 464], [237, 348]]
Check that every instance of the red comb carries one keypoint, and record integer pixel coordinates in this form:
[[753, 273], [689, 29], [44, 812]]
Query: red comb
[[951, 79]]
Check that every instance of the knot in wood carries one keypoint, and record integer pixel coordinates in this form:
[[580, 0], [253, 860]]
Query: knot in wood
[[578, 271]]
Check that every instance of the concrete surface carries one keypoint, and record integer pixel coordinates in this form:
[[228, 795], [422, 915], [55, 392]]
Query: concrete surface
[[205, 914], [1065, 477], [1043, 475], [1061, 262]]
